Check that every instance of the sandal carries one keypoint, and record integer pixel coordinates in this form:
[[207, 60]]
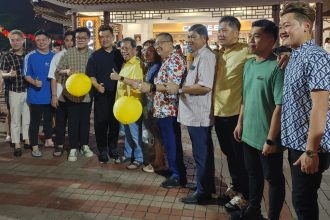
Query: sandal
[[134, 165], [122, 159], [58, 151]]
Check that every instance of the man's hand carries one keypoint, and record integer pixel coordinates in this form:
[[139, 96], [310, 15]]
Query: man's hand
[[37, 83], [144, 87], [172, 88], [12, 72], [54, 101], [283, 60], [100, 88], [114, 75], [238, 132], [268, 149], [308, 165]]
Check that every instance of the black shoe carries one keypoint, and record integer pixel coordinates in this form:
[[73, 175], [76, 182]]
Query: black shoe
[[191, 186], [248, 213], [58, 151], [197, 198], [103, 158], [17, 152], [223, 200], [27, 146], [165, 173], [171, 182]]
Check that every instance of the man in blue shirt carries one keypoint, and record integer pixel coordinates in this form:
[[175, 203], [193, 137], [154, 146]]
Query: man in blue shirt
[[305, 122], [36, 67]]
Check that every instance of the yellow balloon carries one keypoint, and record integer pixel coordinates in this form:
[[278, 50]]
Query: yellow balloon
[[78, 84], [127, 109]]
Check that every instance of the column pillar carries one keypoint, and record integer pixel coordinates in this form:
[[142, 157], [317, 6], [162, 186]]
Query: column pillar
[[319, 23], [106, 17], [276, 18], [74, 20]]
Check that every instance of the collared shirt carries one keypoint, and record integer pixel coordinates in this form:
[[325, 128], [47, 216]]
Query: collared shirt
[[308, 69], [36, 65], [77, 61], [132, 69], [196, 110], [11, 60], [52, 69], [100, 66], [172, 69], [229, 80]]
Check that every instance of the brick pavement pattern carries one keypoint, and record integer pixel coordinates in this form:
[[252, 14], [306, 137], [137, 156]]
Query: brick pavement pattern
[[53, 188]]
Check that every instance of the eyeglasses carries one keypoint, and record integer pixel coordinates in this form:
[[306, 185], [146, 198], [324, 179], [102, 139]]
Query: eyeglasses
[[160, 42]]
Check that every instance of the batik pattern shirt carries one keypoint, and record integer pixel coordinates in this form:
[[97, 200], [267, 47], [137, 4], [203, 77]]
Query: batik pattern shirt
[[308, 69]]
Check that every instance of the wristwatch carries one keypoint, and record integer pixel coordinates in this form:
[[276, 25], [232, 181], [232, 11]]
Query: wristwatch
[[180, 91], [269, 142], [122, 78], [310, 153]]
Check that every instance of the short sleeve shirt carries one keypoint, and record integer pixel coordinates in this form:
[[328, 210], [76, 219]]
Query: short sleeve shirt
[[36, 65], [262, 91], [172, 69], [77, 61], [196, 110], [11, 60], [51, 74], [308, 69]]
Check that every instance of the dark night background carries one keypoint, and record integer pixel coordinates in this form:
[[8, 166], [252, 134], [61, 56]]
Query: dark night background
[[19, 14]]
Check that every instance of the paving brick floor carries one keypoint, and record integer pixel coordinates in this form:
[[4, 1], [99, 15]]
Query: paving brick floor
[[53, 188]]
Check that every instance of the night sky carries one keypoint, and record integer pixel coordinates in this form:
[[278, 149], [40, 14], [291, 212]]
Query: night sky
[[19, 14]]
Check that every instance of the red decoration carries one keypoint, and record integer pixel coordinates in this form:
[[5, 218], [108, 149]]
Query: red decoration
[[5, 33]]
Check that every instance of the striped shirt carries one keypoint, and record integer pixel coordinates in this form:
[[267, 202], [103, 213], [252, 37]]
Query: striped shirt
[[197, 110], [77, 61], [11, 60]]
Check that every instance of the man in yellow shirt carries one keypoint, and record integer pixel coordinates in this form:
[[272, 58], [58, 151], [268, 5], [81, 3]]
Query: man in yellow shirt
[[227, 101], [132, 69]]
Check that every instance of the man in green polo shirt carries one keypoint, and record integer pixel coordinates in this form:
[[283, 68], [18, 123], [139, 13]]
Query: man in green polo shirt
[[258, 125]]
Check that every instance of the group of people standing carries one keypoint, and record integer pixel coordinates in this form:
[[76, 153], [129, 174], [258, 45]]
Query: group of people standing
[[259, 104]]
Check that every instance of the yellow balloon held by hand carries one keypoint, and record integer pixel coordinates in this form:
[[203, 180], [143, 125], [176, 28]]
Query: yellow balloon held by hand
[[127, 109], [78, 84]]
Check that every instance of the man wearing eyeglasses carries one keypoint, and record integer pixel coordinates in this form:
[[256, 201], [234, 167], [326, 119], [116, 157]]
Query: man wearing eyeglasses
[[79, 108]]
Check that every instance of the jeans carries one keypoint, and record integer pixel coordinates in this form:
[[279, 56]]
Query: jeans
[[133, 141], [224, 128], [203, 153], [37, 112], [105, 124], [305, 186], [260, 167], [171, 134]]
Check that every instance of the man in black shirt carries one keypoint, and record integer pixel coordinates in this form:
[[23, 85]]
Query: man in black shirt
[[99, 68]]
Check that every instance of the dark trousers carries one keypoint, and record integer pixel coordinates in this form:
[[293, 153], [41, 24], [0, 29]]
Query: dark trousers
[[203, 153], [171, 135], [270, 168], [224, 127], [78, 123], [61, 120], [305, 186], [38, 112], [105, 124]]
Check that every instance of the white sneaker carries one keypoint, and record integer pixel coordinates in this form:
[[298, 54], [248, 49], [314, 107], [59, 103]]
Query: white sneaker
[[86, 151], [72, 155]]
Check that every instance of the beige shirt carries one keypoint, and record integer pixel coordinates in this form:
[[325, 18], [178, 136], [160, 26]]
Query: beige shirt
[[197, 110]]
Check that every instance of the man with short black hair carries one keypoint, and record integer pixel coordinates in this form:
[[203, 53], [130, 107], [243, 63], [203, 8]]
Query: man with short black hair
[[79, 108], [305, 122], [262, 97], [58, 101], [99, 67], [36, 67]]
